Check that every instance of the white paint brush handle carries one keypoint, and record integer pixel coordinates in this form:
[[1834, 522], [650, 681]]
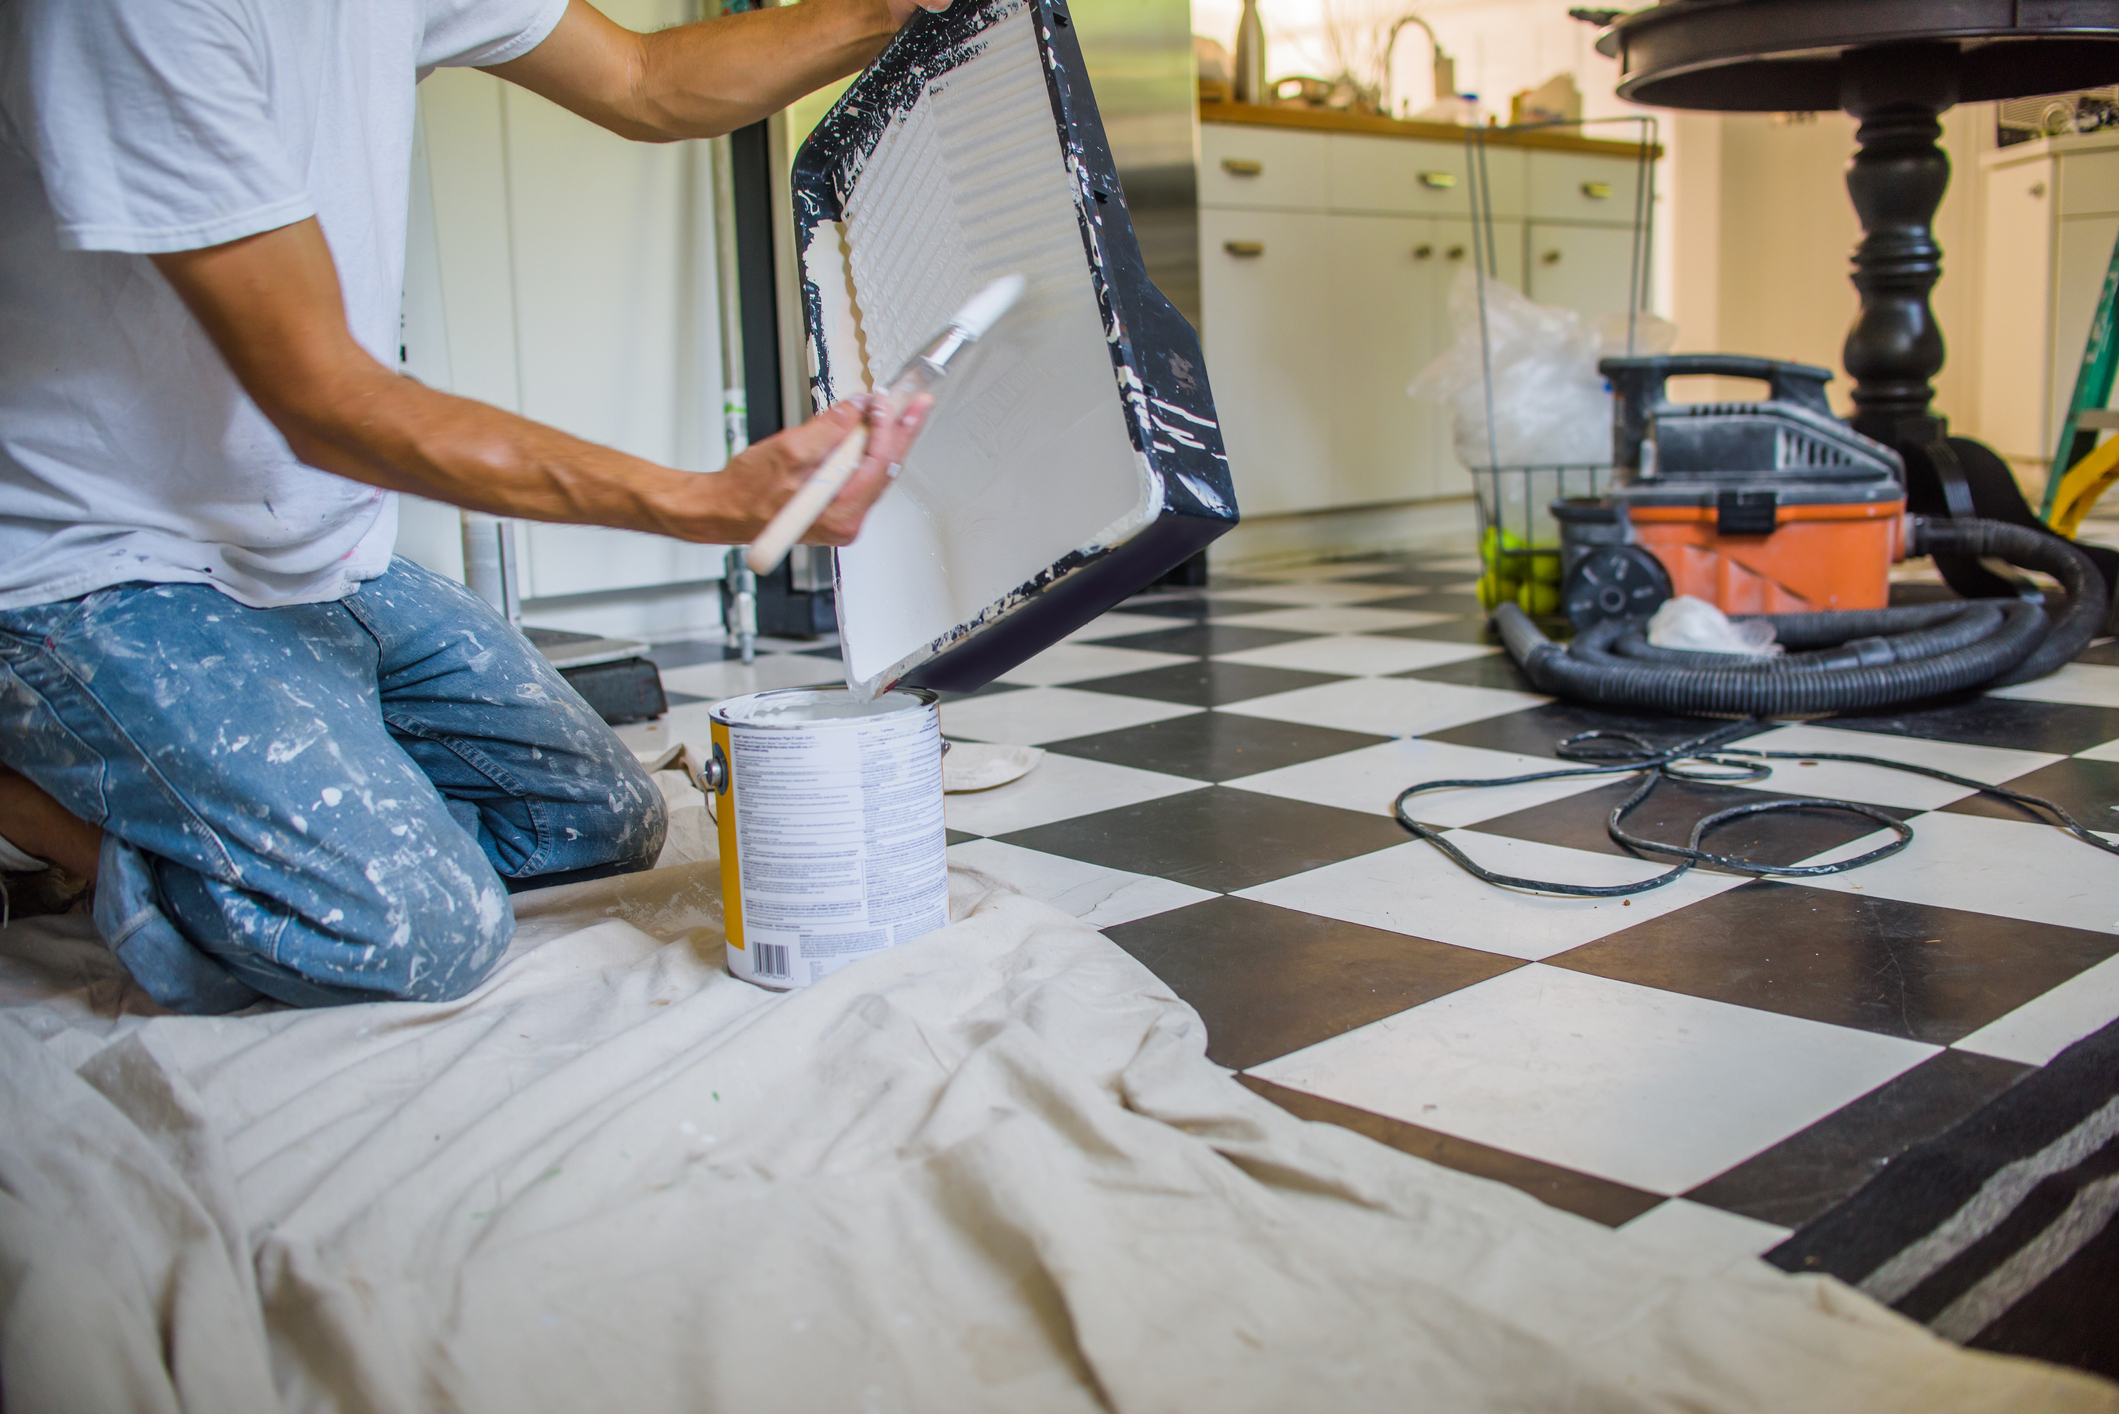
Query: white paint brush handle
[[802, 509]]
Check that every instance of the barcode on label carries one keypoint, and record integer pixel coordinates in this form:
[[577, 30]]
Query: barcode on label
[[772, 959]]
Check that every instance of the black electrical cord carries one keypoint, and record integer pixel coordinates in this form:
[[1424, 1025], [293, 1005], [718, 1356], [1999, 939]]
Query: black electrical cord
[[1632, 755]]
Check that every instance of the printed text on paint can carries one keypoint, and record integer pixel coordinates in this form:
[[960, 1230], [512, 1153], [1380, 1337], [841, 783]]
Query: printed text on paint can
[[840, 841]]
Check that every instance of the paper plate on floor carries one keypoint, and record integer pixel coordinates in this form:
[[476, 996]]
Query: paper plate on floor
[[975, 765], [1075, 455]]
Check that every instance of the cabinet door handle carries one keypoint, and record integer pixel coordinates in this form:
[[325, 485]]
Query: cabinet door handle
[[1423, 252], [1244, 248], [2038, 189], [1455, 252], [1596, 191], [1551, 257], [1242, 166], [1438, 181]]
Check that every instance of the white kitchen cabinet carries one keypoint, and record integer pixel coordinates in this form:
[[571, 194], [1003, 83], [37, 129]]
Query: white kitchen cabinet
[[1265, 277], [1327, 260], [1583, 268], [2051, 217]]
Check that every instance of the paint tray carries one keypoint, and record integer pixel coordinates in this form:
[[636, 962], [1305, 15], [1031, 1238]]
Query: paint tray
[[1075, 455]]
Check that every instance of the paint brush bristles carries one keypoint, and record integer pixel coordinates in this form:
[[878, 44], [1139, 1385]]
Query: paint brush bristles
[[922, 373]]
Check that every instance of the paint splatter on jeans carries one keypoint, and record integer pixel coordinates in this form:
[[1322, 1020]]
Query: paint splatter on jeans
[[319, 803]]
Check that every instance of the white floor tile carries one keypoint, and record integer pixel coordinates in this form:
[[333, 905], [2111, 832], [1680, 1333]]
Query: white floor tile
[[1318, 593], [1414, 888], [1469, 564], [771, 670], [685, 723], [1877, 785], [2083, 683], [1387, 706], [1057, 788], [2040, 1029], [1122, 625], [1336, 618], [2107, 752], [2011, 868], [1703, 1239], [1037, 715], [1357, 654], [1314, 570], [1079, 662], [1370, 778], [1100, 897], [1655, 1089]]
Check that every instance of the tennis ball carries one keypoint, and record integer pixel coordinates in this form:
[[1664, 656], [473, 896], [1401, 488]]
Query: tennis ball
[[1545, 567]]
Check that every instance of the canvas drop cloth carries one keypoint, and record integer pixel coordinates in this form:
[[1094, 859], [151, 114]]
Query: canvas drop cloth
[[991, 1170]]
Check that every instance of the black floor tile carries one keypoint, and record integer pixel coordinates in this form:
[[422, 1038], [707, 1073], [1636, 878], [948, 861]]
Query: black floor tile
[[2062, 727], [1269, 981], [1416, 577], [1598, 1199], [1208, 683], [1486, 670], [1216, 838], [1813, 1171], [1472, 628], [1214, 746], [1671, 810], [1431, 603], [1537, 731], [685, 653], [1876, 964], [2105, 653], [681, 699], [1203, 639], [950, 837], [2087, 790], [1192, 606]]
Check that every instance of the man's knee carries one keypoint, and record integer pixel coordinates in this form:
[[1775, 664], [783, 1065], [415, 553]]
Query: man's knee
[[434, 928]]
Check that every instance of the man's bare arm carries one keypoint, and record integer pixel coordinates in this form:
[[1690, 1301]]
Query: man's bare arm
[[272, 306], [704, 79]]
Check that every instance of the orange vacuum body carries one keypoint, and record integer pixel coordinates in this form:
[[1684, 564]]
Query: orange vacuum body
[[1817, 555], [1769, 507]]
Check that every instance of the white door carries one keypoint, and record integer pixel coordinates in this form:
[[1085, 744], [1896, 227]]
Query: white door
[[1265, 282], [2083, 255], [2014, 344]]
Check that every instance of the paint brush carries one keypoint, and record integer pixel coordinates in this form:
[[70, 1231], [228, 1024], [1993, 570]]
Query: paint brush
[[922, 373]]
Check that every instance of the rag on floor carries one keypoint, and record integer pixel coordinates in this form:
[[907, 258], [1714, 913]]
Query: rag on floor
[[992, 1169]]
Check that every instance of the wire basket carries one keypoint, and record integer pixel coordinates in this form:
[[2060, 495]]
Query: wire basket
[[1519, 541]]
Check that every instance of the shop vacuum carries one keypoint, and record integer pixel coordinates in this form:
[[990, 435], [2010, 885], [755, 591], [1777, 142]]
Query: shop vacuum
[[1773, 510], [1777, 509]]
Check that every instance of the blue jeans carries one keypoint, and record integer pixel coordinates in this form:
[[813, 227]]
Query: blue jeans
[[320, 803]]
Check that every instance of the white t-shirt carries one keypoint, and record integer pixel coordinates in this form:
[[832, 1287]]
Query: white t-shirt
[[131, 127]]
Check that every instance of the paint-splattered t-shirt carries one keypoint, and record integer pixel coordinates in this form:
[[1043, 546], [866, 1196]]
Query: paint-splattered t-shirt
[[133, 127]]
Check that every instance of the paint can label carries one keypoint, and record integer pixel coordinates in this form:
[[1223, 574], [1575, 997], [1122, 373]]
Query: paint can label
[[831, 835]]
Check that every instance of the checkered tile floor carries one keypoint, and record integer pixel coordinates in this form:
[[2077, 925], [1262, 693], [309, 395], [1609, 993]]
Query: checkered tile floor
[[1708, 1065]]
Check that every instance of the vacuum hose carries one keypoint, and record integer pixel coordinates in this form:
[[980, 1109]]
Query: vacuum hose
[[1840, 661]]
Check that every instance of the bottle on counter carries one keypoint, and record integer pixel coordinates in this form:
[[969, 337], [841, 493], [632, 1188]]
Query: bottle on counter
[[1249, 80]]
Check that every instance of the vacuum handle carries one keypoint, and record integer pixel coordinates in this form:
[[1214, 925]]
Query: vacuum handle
[[1637, 385]]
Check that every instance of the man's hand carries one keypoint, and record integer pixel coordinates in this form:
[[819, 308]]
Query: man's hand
[[272, 306], [704, 79]]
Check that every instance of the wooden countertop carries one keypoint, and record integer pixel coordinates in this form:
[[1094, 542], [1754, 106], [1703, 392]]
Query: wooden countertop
[[1334, 121]]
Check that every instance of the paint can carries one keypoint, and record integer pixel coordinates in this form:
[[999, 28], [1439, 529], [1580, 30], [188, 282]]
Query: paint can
[[829, 810]]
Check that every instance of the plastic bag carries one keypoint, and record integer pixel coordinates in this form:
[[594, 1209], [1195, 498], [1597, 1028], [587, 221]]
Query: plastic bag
[[1695, 624], [1551, 406]]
